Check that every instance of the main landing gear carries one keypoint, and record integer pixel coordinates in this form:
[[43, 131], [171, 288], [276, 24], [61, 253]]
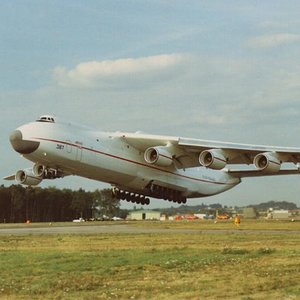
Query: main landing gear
[[154, 191], [131, 197], [161, 192]]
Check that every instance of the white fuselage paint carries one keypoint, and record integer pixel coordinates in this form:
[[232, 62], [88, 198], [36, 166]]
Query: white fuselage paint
[[107, 157]]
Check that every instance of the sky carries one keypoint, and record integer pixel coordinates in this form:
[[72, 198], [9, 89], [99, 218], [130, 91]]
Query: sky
[[219, 70]]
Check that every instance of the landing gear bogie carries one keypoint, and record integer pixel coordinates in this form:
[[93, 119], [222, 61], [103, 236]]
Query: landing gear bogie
[[167, 194], [131, 197]]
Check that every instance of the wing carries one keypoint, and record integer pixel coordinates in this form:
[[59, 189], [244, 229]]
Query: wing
[[187, 153]]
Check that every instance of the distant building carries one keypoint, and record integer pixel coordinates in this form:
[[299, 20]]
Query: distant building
[[249, 213], [278, 214], [144, 215]]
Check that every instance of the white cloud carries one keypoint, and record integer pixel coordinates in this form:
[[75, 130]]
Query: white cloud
[[93, 73], [272, 40]]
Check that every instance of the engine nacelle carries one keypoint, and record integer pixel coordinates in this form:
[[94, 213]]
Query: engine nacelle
[[159, 156], [267, 162], [38, 170], [27, 177], [213, 159], [46, 173]]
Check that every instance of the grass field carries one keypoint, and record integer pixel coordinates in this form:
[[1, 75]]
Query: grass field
[[255, 265]]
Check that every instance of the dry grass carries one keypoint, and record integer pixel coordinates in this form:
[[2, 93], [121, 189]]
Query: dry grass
[[154, 266]]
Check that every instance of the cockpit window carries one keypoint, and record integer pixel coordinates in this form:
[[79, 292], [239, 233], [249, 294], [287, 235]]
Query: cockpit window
[[48, 119]]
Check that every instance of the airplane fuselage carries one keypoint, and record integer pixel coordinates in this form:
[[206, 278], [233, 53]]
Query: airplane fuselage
[[106, 157]]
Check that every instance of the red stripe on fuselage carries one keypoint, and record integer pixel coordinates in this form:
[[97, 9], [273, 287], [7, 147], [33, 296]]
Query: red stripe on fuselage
[[133, 162]]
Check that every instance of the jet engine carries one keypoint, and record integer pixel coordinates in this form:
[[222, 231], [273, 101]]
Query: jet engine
[[159, 156], [213, 159], [27, 177], [38, 170], [45, 172], [267, 162]]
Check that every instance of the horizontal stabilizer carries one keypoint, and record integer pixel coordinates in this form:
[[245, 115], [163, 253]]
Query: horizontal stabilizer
[[11, 177]]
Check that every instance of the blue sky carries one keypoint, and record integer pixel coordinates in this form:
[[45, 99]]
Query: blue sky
[[221, 70]]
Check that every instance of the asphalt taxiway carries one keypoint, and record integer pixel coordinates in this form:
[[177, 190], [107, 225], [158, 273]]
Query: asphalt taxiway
[[125, 229]]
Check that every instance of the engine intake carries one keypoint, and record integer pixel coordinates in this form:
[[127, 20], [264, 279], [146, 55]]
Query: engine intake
[[267, 162], [213, 159], [38, 170], [27, 177], [159, 156]]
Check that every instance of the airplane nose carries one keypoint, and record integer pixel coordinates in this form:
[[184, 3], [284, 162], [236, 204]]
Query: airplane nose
[[20, 145]]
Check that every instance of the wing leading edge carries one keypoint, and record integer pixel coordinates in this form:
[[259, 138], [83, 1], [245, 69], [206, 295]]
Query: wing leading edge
[[187, 153]]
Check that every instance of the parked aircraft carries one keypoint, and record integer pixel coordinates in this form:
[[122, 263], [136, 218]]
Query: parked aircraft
[[140, 165]]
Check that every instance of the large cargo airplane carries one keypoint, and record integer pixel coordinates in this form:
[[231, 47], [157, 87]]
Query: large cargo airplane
[[139, 165]]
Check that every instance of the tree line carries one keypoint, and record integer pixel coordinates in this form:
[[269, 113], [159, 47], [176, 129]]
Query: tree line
[[19, 204]]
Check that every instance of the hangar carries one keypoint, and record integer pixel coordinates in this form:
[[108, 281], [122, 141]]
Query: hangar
[[144, 215]]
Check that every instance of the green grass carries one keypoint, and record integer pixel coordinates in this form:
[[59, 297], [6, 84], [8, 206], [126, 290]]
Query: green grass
[[152, 266]]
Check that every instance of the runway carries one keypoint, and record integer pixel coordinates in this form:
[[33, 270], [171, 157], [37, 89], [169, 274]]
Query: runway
[[126, 229]]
